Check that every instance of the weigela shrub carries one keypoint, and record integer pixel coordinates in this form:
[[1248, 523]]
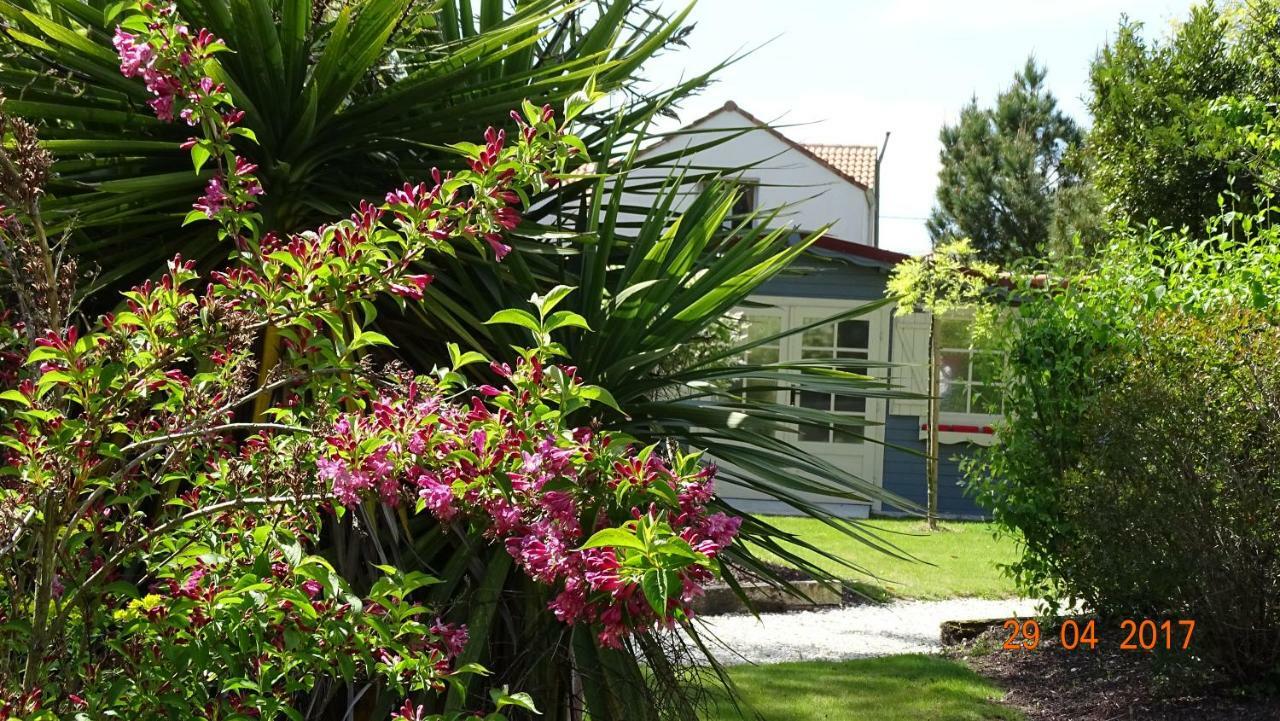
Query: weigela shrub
[[159, 539]]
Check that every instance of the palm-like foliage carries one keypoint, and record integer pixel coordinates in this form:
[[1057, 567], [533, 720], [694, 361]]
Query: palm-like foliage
[[647, 289], [654, 281], [345, 99]]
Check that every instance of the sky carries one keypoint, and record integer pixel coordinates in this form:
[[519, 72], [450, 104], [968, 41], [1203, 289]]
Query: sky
[[847, 71]]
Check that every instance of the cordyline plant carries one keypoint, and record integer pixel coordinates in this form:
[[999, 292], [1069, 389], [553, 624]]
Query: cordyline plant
[[156, 538]]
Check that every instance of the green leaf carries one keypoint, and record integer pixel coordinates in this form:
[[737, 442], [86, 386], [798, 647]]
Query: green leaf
[[547, 303], [614, 538], [458, 359], [245, 133], [652, 584], [112, 11], [199, 154], [599, 395], [501, 699], [15, 396], [515, 316], [366, 338], [566, 318]]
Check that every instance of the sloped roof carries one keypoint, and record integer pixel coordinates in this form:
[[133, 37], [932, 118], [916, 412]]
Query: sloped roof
[[855, 161], [863, 178], [859, 253]]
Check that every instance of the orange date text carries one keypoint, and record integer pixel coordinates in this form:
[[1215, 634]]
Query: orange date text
[[1138, 634]]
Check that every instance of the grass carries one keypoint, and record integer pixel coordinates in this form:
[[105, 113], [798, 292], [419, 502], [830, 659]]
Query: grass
[[964, 555], [893, 688]]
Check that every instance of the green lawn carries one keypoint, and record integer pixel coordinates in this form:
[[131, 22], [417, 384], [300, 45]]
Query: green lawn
[[894, 688], [964, 557]]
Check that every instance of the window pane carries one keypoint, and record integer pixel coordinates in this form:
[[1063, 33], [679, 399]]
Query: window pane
[[817, 401], [987, 366], [850, 404], [762, 354], [815, 434], [986, 399], [954, 398], [954, 366], [810, 353], [820, 337], [953, 333], [855, 333], [764, 391], [761, 325], [846, 437]]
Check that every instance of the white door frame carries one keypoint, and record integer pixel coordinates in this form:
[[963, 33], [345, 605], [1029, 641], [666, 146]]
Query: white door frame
[[878, 352]]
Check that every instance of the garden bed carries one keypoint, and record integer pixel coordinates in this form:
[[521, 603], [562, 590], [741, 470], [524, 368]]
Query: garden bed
[[1053, 684]]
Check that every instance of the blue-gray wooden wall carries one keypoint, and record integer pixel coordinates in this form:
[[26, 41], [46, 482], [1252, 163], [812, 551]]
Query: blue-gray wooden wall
[[904, 472]]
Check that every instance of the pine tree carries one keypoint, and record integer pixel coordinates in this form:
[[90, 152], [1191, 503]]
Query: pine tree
[[1002, 168]]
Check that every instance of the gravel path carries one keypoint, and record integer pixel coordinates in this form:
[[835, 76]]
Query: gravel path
[[860, 631]]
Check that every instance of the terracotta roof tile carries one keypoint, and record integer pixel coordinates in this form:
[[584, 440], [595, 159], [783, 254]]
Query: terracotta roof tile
[[855, 161]]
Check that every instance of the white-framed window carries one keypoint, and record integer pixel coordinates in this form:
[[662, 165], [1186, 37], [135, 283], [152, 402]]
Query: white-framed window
[[747, 202], [856, 339], [844, 339], [755, 325], [969, 376]]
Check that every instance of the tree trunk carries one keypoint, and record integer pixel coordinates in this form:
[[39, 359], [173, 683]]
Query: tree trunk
[[931, 463]]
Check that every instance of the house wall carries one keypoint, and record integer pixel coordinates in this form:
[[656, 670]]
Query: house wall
[[904, 472], [904, 465], [812, 194]]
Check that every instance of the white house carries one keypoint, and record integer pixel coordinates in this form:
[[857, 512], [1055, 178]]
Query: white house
[[835, 186]]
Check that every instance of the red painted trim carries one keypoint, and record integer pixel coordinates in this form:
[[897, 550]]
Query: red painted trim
[[953, 428], [847, 247]]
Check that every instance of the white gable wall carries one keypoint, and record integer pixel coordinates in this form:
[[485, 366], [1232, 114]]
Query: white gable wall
[[814, 194]]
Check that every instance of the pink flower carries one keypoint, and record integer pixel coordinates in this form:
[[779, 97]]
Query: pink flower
[[560, 508], [214, 198], [244, 167], [409, 712], [417, 283], [504, 514], [192, 583], [614, 630], [311, 587], [203, 38], [163, 107], [161, 84], [602, 569], [134, 56], [347, 485], [438, 497], [570, 605], [452, 637], [722, 528], [540, 554], [499, 248], [508, 218]]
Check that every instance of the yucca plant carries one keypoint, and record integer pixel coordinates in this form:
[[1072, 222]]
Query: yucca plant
[[653, 283], [345, 98]]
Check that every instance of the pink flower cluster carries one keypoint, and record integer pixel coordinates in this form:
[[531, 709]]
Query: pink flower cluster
[[529, 483], [171, 60], [147, 56]]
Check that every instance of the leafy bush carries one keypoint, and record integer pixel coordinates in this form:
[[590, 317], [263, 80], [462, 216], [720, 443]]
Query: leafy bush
[[1138, 459], [1172, 502]]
